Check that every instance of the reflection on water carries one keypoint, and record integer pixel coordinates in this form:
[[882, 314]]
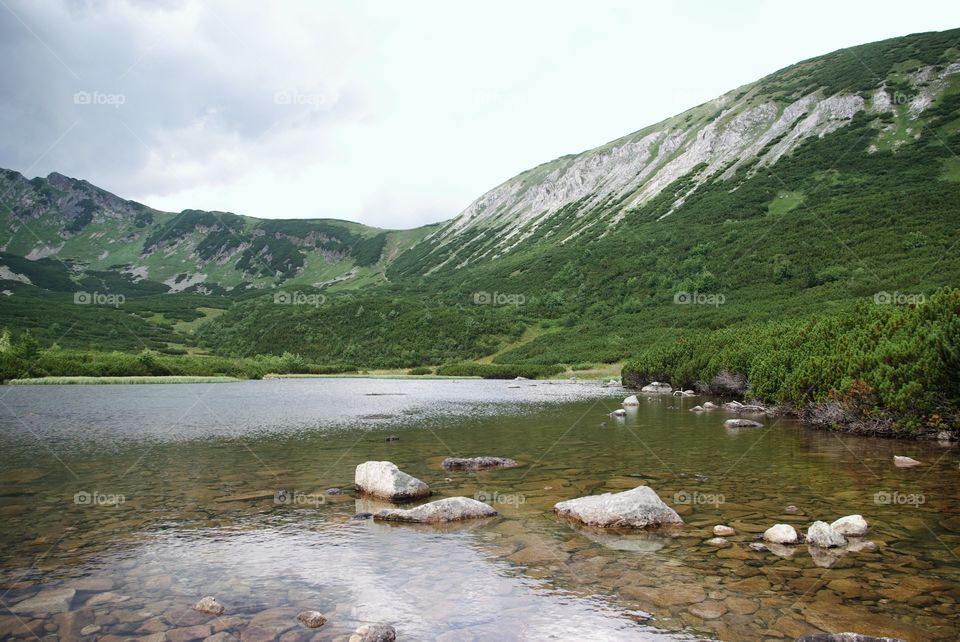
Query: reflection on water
[[145, 498]]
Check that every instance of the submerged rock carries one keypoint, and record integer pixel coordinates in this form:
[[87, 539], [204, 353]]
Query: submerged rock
[[697, 409], [450, 509], [657, 387], [333, 491], [476, 463], [905, 462], [717, 541], [781, 534], [384, 479], [742, 423], [709, 405], [720, 530], [209, 605], [48, 601], [311, 619], [823, 535], [374, 633], [758, 547], [637, 508], [631, 401], [391, 438], [851, 526], [619, 412]]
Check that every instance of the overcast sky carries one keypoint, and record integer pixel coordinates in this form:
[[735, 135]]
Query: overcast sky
[[390, 113]]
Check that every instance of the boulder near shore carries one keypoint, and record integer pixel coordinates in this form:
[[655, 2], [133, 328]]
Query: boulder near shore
[[384, 479], [450, 509], [477, 463], [637, 508]]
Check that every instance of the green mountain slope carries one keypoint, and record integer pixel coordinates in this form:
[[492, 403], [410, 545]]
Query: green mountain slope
[[830, 182]]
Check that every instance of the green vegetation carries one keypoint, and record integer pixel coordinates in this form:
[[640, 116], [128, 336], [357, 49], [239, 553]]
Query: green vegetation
[[497, 371], [888, 364], [61, 381]]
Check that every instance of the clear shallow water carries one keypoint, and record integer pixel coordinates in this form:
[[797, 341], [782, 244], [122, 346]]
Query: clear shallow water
[[197, 467]]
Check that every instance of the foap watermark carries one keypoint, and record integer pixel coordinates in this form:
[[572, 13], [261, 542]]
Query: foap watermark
[[297, 498], [699, 298], [99, 99], [495, 497], [899, 298], [299, 298], [498, 298], [696, 498], [96, 498], [896, 498], [297, 98], [98, 298]]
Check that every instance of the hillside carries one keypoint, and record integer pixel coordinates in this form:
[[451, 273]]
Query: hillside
[[829, 183]]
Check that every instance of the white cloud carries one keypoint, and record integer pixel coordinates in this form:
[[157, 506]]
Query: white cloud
[[395, 114]]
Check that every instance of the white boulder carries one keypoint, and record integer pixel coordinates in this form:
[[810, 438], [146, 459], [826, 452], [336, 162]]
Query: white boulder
[[781, 534], [384, 479], [637, 508], [905, 462], [822, 534], [631, 401], [851, 526], [742, 423], [450, 509], [657, 387]]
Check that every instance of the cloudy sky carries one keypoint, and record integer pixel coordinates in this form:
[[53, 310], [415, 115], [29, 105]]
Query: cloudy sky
[[390, 113]]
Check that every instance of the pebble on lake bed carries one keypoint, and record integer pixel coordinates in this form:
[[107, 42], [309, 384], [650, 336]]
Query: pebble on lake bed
[[209, 605], [374, 633], [476, 463], [720, 530], [311, 619]]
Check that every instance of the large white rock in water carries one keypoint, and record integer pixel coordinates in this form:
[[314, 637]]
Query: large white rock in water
[[781, 534], [905, 462], [384, 479], [637, 508], [451, 509], [658, 387], [631, 401], [742, 423], [851, 526], [822, 534]]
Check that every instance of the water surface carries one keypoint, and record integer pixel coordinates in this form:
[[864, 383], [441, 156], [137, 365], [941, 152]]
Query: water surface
[[146, 498]]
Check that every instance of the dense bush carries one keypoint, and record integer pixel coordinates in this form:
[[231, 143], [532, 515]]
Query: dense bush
[[895, 361], [498, 371]]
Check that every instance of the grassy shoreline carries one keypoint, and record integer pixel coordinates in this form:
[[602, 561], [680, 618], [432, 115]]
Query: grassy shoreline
[[84, 380]]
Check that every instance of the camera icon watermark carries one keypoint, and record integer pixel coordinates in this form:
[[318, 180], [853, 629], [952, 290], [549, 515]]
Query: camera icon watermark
[[299, 298], [699, 298], [896, 498], [498, 298], [98, 298], [297, 98], [696, 498], [899, 298], [501, 499], [99, 99], [96, 498], [297, 498]]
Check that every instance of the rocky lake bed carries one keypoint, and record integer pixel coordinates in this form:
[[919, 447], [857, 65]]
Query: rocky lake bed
[[361, 509]]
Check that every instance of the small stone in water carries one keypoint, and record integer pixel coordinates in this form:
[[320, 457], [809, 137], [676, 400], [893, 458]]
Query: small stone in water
[[791, 509], [311, 619], [360, 516], [374, 633], [90, 629], [723, 531], [905, 462], [209, 605], [392, 438], [333, 491], [758, 547], [717, 541]]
